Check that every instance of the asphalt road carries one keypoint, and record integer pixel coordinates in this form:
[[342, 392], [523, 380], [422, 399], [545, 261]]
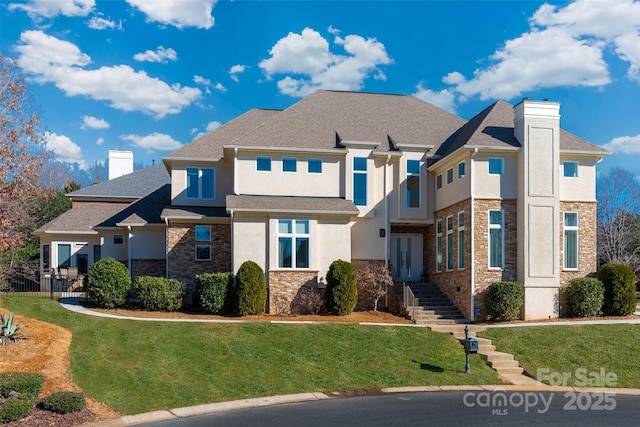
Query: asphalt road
[[439, 409]]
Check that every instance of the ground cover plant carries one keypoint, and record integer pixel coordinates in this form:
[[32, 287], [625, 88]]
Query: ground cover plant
[[138, 366], [613, 348]]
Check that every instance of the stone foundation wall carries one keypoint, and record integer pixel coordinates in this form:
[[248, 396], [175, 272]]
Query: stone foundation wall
[[455, 283], [182, 259], [284, 286], [483, 275], [148, 267]]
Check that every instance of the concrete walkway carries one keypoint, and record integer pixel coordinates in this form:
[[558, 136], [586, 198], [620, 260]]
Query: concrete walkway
[[505, 365]]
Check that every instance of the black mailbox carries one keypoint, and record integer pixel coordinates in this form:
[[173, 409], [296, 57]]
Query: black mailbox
[[470, 345]]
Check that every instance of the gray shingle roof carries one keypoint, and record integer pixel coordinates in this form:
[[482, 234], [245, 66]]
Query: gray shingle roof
[[144, 211], [81, 219], [131, 186], [281, 204], [194, 212]]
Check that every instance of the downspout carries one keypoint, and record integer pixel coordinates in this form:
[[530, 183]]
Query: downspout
[[235, 173], [386, 226], [166, 247], [231, 241], [472, 239], [129, 245]]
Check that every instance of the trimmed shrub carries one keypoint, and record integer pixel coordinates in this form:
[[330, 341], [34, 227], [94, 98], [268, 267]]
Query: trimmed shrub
[[213, 292], [341, 294], [585, 296], [373, 282], [109, 283], [308, 300], [503, 301], [158, 293], [619, 289], [250, 289], [64, 402], [18, 394]]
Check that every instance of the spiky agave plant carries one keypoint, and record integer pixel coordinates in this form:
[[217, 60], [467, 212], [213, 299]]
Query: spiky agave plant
[[9, 331]]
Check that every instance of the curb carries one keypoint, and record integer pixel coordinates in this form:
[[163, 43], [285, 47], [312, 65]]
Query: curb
[[212, 408]]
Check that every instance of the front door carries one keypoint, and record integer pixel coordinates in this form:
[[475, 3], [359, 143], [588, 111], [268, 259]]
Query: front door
[[406, 257]]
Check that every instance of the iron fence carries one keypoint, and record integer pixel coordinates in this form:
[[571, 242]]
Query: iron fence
[[47, 285]]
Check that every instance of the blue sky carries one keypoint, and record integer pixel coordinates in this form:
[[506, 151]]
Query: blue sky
[[150, 75]]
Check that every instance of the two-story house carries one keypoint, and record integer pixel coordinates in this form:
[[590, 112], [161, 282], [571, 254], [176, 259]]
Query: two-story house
[[376, 178]]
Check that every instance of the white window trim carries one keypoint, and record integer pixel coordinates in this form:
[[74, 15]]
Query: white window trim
[[199, 197], [419, 175], [450, 170], [270, 163], [501, 166], [195, 254], [294, 235], [465, 169], [461, 228], [439, 235], [563, 169], [495, 226], [440, 177], [295, 160], [575, 228], [449, 220]]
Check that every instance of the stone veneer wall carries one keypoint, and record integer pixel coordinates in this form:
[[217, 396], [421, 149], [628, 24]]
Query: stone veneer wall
[[284, 285], [148, 267], [456, 283], [587, 245], [483, 275], [182, 258]]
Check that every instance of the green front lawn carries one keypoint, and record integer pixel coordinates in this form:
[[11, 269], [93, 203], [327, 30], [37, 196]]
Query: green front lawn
[[581, 353], [139, 366]]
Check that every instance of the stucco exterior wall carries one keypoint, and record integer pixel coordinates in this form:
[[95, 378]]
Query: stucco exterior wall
[[488, 186], [181, 246], [402, 211], [78, 245], [250, 240], [334, 242], [148, 243], [458, 190], [110, 249], [223, 183], [582, 187]]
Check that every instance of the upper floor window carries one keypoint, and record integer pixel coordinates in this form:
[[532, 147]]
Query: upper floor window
[[439, 182], [293, 243], [571, 240], [203, 233], [570, 169], [413, 183], [461, 171], [200, 183], [495, 166], [314, 165], [118, 239], [360, 181], [263, 163], [496, 239], [449, 176], [289, 164]]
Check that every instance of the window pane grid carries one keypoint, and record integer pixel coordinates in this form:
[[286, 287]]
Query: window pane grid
[[496, 239], [293, 234], [571, 240]]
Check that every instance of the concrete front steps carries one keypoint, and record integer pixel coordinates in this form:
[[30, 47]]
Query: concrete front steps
[[432, 306], [503, 363]]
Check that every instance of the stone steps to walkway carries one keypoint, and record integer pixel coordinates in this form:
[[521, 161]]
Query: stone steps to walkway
[[432, 306], [504, 364]]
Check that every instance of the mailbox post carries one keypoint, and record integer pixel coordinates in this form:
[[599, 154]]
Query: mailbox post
[[470, 347]]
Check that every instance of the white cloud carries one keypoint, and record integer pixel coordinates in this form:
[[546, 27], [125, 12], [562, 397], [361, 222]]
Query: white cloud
[[178, 13], [160, 55], [213, 125], [309, 64], [564, 47], [201, 80], [153, 141], [97, 23], [64, 149], [100, 141], [444, 99], [219, 86], [50, 60], [38, 9], [624, 144], [94, 123], [235, 70], [193, 130]]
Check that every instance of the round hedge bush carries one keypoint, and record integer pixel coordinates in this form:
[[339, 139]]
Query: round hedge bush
[[585, 296], [250, 289], [619, 289], [64, 402], [212, 292], [158, 293], [341, 294], [18, 391], [503, 301], [109, 283]]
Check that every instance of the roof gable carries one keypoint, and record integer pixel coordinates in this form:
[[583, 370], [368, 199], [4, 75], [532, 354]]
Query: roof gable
[[131, 186]]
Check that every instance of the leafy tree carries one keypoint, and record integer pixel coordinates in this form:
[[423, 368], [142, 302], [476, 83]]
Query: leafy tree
[[22, 154]]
